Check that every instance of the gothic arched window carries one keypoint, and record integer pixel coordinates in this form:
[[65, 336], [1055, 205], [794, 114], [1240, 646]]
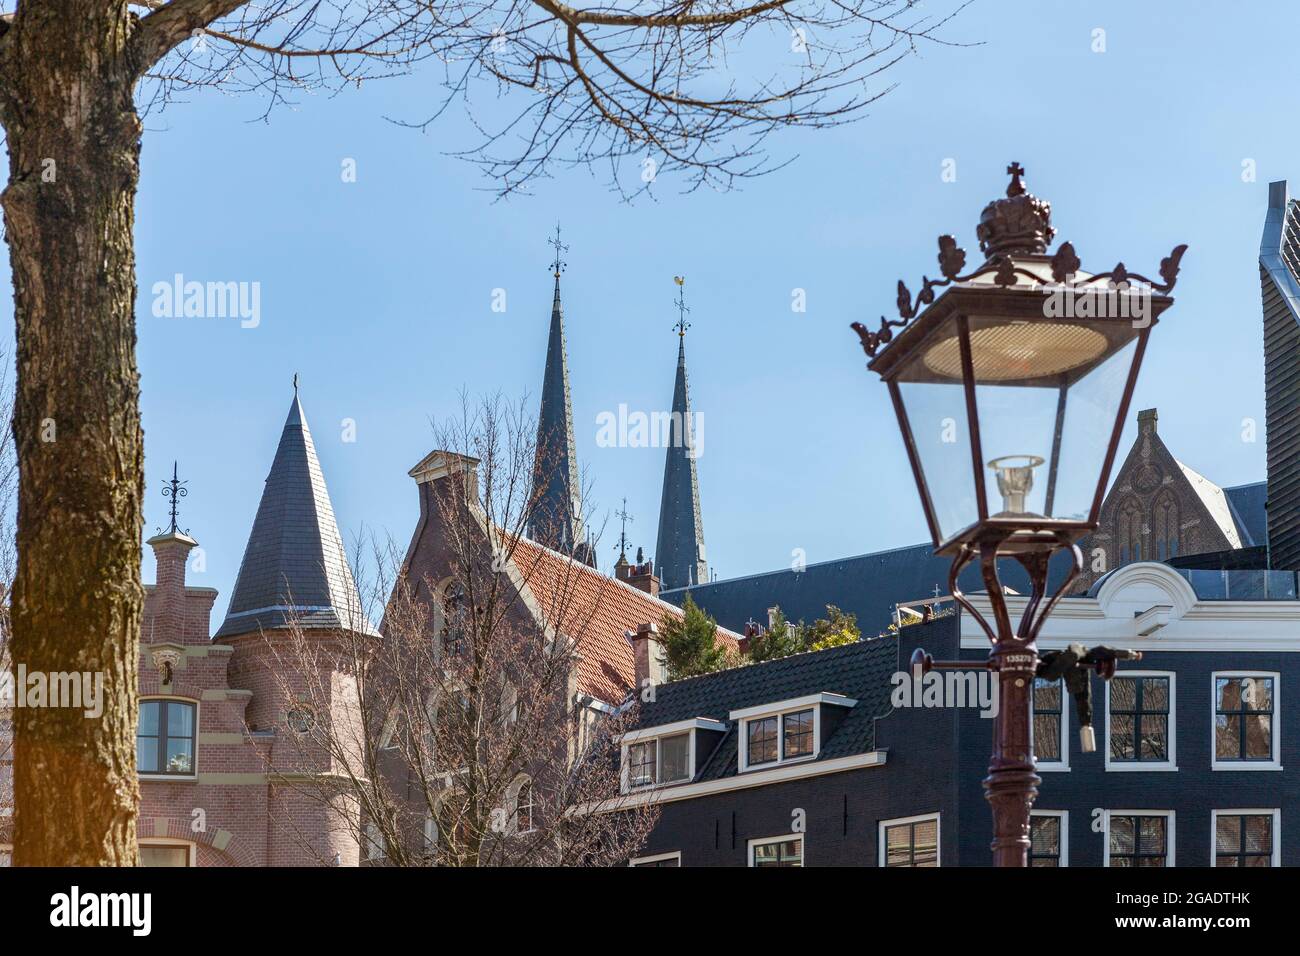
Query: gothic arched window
[[1164, 524], [1129, 531]]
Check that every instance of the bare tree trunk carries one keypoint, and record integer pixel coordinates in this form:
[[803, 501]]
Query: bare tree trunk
[[74, 139]]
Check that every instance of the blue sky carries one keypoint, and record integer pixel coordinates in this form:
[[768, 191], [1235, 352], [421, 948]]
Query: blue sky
[[379, 292]]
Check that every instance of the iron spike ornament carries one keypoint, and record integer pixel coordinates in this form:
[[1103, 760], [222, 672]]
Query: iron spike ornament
[[175, 490], [1011, 384]]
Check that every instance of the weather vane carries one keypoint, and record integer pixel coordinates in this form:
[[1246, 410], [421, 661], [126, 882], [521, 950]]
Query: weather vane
[[559, 264], [682, 325], [174, 489], [624, 517]]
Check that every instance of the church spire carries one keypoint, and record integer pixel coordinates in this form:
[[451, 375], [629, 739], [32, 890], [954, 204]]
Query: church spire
[[294, 567], [556, 521], [680, 549]]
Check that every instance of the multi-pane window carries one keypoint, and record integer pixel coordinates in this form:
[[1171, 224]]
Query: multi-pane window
[[784, 852], [1243, 718], [1137, 840], [164, 741], [762, 740], [662, 760], [1243, 839], [641, 763], [780, 737], [912, 843], [1139, 719], [1048, 715], [797, 731], [1045, 840]]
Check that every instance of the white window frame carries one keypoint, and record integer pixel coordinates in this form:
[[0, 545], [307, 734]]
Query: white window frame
[[1064, 817], [198, 713], [1276, 814], [1054, 766], [1171, 842], [883, 825], [779, 710], [518, 788], [192, 857], [654, 735], [1147, 766], [785, 838], [1236, 765], [656, 858]]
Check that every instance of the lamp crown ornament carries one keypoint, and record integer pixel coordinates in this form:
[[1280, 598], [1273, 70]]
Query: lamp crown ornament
[[1020, 224]]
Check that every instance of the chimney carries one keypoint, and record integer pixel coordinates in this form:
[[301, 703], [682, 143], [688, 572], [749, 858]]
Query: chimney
[[648, 653], [171, 551], [1147, 421], [640, 575]]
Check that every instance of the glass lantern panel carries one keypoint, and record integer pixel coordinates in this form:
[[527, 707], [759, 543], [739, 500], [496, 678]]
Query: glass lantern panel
[[1047, 394], [936, 414], [1090, 415]]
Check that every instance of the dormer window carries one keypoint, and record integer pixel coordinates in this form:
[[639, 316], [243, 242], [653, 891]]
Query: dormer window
[[787, 731], [667, 754]]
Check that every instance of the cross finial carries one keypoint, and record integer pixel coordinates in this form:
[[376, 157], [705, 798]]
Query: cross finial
[[682, 325], [558, 265], [174, 489], [1016, 187], [295, 384], [624, 517]]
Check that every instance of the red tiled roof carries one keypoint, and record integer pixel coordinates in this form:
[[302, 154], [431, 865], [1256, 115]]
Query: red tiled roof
[[595, 610]]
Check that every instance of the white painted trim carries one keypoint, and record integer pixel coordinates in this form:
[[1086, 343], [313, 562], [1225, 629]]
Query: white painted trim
[[625, 780], [755, 778], [1275, 762], [794, 703], [667, 730], [787, 838], [1064, 816], [798, 705], [1054, 766], [883, 825], [1169, 831], [656, 858], [1276, 814], [1147, 766]]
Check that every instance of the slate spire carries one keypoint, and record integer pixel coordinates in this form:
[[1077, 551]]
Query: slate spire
[[679, 553], [294, 565], [557, 519]]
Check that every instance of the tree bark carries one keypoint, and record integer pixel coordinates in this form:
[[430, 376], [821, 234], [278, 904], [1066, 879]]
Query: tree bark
[[66, 85]]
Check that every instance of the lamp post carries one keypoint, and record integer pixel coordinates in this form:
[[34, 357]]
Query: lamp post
[[1011, 384]]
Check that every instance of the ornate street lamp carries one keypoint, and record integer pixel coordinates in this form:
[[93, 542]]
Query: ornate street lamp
[[1011, 387]]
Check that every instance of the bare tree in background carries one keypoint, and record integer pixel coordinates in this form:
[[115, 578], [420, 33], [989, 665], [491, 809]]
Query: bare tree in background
[[461, 739], [8, 559], [598, 83]]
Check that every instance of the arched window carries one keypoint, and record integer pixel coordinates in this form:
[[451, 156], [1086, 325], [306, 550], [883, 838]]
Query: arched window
[[452, 624], [164, 739], [525, 807], [1129, 531], [1164, 522]]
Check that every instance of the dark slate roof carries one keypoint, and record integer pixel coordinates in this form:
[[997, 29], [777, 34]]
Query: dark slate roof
[[557, 519], [860, 671], [294, 566], [868, 586], [1246, 503], [679, 553]]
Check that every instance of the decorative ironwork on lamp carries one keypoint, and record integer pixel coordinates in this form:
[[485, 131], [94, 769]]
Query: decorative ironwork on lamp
[[1023, 367]]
